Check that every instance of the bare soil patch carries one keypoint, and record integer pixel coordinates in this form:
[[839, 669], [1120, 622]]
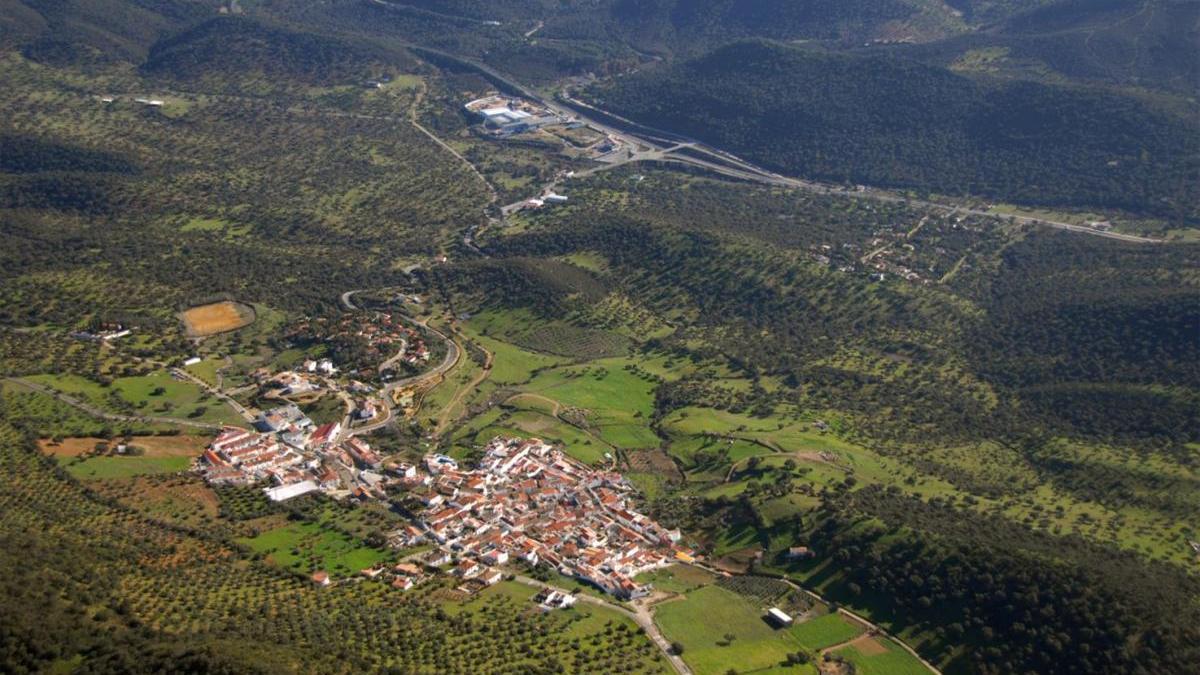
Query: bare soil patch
[[655, 462], [151, 446], [833, 668], [218, 317], [868, 646]]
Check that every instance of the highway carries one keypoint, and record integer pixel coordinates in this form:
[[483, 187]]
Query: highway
[[661, 145]]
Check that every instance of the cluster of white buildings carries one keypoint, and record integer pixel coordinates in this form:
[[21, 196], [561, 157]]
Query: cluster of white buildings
[[239, 457], [504, 116], [104, 333], [290, 455], [550, 198], [529, 501]]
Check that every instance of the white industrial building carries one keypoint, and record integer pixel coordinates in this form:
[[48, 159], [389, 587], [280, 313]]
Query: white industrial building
[[500, 117], [504, 116], [284, 492], [779, 617]]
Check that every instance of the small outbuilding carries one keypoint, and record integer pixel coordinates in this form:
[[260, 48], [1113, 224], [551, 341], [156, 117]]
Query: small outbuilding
[[779, 617]]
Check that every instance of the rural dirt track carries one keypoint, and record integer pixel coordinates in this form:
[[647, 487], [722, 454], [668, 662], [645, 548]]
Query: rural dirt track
[[463, 391], [246, 413], [642, 617], [556, 406], [102, 414]]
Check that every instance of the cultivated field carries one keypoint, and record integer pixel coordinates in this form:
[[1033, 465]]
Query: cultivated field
[[96, 468], [720, 630], [151, 446], [218, 317], [880, 656], [151, 455]]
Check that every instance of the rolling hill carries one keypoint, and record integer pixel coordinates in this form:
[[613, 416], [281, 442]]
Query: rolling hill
[[899, 123], [89, 31]]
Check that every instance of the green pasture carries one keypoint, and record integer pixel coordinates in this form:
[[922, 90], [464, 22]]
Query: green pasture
[[95, 468], [307, 547], [824, 631], [707, 617], [895, 661], [676, 578], [135, 396]]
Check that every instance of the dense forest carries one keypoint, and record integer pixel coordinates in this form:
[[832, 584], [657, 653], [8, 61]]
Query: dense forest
[[233, 46], [1023, 602], [1130, 43], [889, 121]]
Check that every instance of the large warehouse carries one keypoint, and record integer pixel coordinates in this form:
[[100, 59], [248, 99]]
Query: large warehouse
[[504, 118]]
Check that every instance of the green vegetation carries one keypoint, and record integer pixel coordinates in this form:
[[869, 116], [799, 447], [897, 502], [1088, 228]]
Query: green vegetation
[[825, 631], [892, 122], [984, 432], [172, 598], [46, 416], [891, 660], [309, 547], [327, 408], [157, 394], [123, 467], [585, 638], [676, 578], [785, 386], [720, 630]]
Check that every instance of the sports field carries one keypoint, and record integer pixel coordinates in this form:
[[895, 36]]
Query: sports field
[[217, 317]]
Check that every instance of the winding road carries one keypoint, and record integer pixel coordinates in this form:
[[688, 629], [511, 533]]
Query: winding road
[[658, 143], [453, 354]]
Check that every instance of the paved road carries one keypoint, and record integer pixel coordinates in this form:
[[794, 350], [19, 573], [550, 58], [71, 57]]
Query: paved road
[[97, 412], [741, 168], [451, 359], [641, 617]]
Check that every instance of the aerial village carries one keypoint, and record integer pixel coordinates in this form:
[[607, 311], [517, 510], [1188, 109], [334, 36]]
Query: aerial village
[[525, 500], [528, 500], [290, 453], [373, 345]]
